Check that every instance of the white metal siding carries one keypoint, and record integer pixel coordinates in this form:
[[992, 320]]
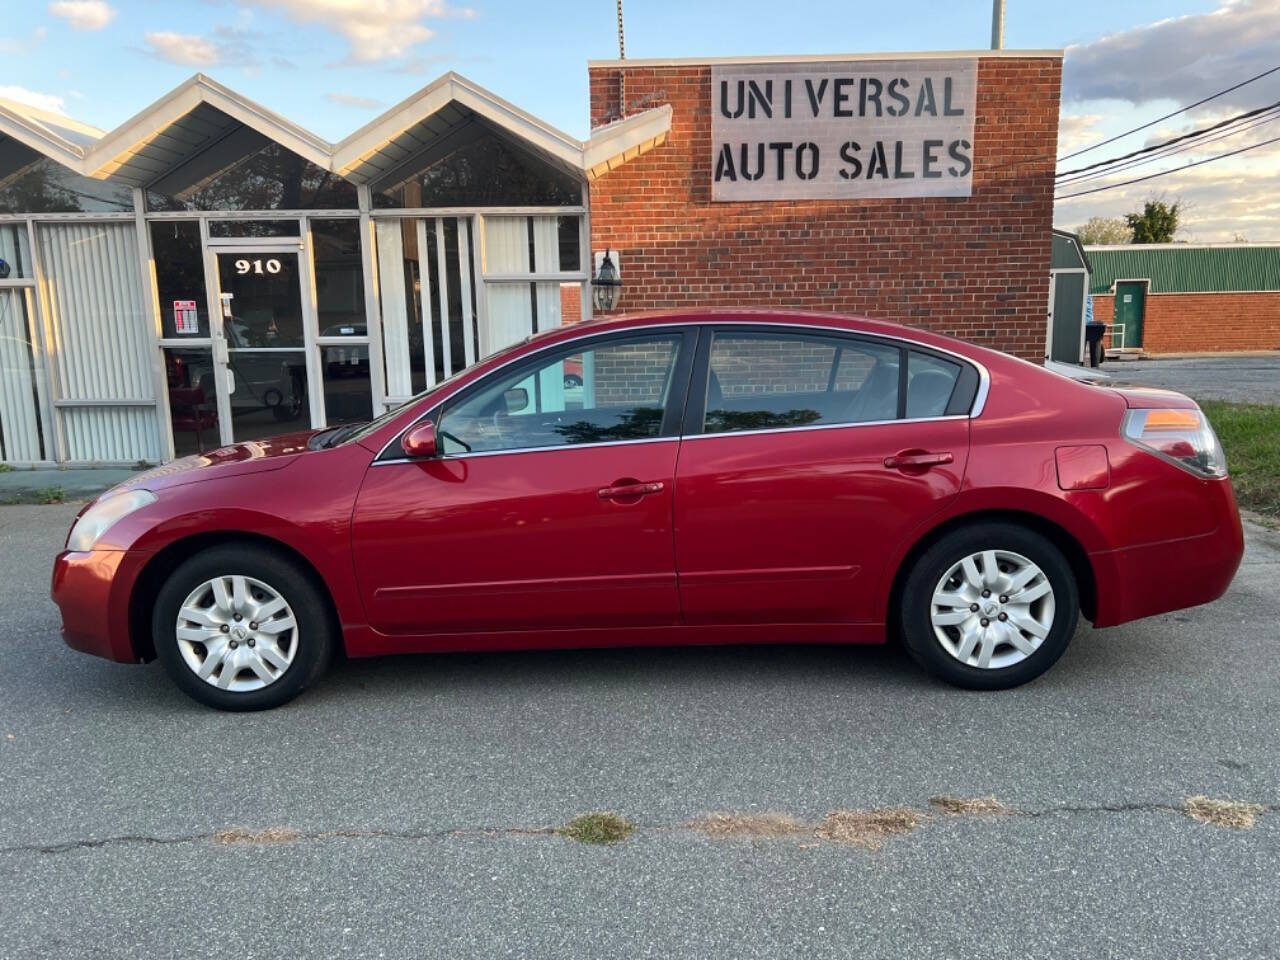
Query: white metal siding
[[100, 340], [18, 421]]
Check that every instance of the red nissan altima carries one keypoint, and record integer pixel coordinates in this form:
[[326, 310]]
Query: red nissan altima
[[699, 478]]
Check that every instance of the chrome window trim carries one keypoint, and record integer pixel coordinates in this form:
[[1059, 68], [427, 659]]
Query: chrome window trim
[[823, 426], [979, 400], [547, 449]]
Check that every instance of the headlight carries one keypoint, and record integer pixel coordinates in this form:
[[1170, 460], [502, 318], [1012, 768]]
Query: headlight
[[102, 516], [1183, 437]]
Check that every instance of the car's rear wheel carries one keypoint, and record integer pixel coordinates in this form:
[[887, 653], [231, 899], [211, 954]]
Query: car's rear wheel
[[241, 627], [989, 606]]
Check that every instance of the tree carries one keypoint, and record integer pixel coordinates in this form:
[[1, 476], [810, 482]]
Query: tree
[[1105, 230], [1157, 223]]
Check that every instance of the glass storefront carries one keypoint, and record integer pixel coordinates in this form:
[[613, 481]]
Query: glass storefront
[[272, 178]]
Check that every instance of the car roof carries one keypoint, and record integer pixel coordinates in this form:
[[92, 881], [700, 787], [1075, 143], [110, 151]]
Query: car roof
[[801, 318]]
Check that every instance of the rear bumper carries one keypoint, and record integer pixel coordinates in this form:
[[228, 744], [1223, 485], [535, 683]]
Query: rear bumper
[[1142, 581], [92, 592]]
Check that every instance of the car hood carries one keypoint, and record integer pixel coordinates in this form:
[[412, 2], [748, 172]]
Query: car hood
[[250, 456]]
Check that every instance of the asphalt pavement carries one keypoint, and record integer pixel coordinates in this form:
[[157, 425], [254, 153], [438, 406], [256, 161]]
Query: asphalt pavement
[[1238, 378], [410, 798]]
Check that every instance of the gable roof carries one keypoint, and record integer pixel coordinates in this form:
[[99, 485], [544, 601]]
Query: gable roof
[[1187, 267], [201, 121]]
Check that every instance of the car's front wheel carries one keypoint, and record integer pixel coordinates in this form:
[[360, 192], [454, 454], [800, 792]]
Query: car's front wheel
[[989, 606], [241, 627]]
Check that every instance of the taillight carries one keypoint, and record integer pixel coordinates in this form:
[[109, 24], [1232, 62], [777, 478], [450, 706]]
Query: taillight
[[1183, 437]]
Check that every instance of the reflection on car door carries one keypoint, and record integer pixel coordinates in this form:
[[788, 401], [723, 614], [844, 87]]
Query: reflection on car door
[[559, 516], [789, 502]]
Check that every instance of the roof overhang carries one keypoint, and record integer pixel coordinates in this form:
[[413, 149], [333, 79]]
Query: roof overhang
[[183, 124], [441, 113], [57, 137]]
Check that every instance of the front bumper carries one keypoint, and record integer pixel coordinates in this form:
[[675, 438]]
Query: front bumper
[[92, 591], [1152, 578]]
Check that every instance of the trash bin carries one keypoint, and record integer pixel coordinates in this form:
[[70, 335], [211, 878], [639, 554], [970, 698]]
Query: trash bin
[[1093, 337]]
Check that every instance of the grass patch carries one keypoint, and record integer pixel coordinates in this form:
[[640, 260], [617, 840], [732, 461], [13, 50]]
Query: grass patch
[[50, 495], [242, 835], [1250, 435], [6, 468], [868, 828], [1222, 813], [598, 828], [750, 825], [968, 806]]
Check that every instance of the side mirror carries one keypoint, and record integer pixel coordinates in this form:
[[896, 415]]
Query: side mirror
[[516, 399], [420, 441]]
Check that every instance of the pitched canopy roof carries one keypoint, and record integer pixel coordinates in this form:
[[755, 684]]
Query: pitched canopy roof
[[201, 125]]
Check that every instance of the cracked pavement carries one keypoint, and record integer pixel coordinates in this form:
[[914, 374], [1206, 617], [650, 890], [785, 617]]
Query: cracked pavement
[[421, 790]]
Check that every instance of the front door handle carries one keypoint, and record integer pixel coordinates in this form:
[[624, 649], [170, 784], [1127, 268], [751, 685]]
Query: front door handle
[[917, 459], [623, 490]]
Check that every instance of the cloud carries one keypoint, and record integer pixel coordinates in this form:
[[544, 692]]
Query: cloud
[[374, 29], [84, 14], [33, 98], [226, 46], [1182, 58], [185, 49], [351, 100]]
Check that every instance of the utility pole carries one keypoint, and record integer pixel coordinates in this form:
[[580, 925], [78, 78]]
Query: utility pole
[[997, 23], [622, 71]]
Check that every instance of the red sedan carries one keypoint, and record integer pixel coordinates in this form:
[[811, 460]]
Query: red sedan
[[714, 478]]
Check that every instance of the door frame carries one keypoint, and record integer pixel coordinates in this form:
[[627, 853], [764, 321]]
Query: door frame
[[217, 246]]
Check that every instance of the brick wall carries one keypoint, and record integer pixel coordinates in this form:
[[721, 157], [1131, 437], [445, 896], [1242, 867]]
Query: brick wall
[[976, 267], [1200, 322], [570, 303]]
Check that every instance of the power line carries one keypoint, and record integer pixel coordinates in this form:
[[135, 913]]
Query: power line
[[1189, 106], [1186, 166], [1130, 164], [1170, 142]]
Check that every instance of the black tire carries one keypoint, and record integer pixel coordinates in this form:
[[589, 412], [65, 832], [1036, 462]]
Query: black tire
[[917, 599], [316, 634]]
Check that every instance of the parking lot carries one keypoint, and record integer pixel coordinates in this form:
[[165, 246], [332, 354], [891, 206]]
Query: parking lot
[[1240, 379], [406, 799]]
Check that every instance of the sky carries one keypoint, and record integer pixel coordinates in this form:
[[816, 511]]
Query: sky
[[333, 65]]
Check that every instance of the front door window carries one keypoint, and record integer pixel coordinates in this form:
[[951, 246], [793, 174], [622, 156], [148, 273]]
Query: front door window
[[262, 321]]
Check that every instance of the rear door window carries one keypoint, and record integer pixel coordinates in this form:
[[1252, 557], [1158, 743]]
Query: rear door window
[[770, 380]]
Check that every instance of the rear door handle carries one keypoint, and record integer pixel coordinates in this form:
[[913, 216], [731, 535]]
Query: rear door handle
[[622, 491], [908, 459]]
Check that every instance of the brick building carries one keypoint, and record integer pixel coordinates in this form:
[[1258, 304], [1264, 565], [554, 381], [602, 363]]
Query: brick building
[[1188, 297], [975, 265]]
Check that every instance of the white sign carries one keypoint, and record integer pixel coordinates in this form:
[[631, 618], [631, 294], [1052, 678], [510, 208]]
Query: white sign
[[846, 130], [185, 318]]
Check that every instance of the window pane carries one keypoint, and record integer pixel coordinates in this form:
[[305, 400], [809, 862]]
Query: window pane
[[762, 381], [348, 393], [616, 391], [930, 381], [339, 278], [272, 178], [175, 246], [254, 228], [41, 185], [485, 172], [193, 403], [570, 259], [20, 435], [15, 255]]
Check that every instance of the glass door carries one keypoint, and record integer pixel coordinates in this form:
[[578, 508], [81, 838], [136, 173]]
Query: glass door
[[261, 342]]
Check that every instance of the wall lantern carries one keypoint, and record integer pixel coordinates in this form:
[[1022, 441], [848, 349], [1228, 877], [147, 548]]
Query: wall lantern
[[606, 285]]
